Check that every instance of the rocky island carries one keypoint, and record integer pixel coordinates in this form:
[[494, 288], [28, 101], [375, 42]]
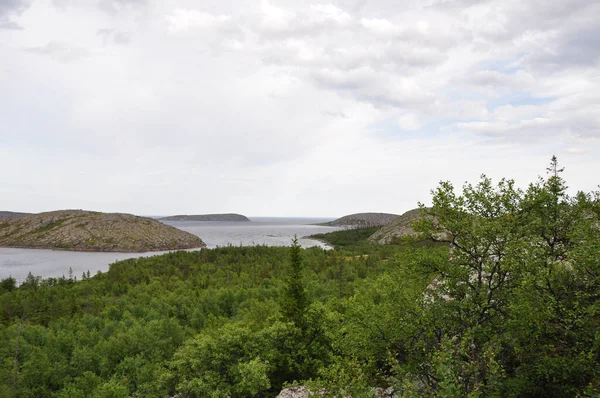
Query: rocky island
[[362, 220], [80, 230], [206, 217]]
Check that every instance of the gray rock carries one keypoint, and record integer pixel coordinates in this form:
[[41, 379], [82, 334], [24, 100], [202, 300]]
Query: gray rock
[[303, 392], [295, 392]]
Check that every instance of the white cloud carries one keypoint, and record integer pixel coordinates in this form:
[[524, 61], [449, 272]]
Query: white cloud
[[270, 107], [184, 19], [381, 26]]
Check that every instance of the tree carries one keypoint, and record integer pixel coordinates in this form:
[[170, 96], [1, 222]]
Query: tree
[[513, 309], [295, 300], [9, 284]]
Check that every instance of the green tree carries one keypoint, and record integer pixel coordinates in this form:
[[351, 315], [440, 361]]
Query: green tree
[[295, 301], [512, 308]]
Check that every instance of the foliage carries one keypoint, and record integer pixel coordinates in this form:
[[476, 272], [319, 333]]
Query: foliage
[[507, 304], [349, 237]]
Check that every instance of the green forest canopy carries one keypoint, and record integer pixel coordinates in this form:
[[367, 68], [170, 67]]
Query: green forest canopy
[[506, 305]]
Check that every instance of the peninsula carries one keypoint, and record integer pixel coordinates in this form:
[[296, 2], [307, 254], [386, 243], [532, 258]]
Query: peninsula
[[80, 230]]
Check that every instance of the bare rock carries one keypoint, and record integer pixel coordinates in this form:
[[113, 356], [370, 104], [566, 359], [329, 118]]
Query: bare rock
[[80, 230], [295, 392]]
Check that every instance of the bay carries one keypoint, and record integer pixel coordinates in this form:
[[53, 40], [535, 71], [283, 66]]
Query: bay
[[270, 231]]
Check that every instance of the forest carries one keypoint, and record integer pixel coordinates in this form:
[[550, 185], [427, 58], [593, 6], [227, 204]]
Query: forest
[[496, 294]]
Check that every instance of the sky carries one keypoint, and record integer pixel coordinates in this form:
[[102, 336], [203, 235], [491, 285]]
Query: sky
[[291, 107]]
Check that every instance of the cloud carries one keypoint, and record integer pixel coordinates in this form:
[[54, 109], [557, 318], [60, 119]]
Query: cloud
[[9, 9], [268, 107], [114, 36], [381, 26], [119, 6], [185, 19], [59, 51], [10, 25]]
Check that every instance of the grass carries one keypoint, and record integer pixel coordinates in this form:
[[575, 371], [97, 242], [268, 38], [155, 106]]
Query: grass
[[48, 227]]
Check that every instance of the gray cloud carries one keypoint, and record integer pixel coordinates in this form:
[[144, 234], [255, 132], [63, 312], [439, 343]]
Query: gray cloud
[[265, 107], [573, 45], [8, 9], [10, 25], [12, 6]]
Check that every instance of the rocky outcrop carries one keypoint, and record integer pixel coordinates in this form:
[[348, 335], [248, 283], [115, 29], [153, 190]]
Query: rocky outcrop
[[80, 230], [361, 220], [303, 392], [295, 392], [206, 217], [403, 226], [399, 227]]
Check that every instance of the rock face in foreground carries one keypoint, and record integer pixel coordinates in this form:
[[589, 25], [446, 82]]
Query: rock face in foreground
[[399, 227], [80, 230], [303, 392], [5, 215], [207, 217], [295, 392], [362, 220]]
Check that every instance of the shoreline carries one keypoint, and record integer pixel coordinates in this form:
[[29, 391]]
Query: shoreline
[[59, 249]]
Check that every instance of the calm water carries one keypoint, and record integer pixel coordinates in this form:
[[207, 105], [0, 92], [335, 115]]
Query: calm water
[[260, 231]]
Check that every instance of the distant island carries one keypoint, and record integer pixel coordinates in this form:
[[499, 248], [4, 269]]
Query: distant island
[[80, 230], [362, 220], [206, 217], [5, 215]]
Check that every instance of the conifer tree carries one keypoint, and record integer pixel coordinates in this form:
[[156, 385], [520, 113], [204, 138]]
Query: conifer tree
[[295, 300]]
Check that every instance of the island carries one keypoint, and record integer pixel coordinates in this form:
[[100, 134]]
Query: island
[[362, 220], [206, 217], [80, 230]]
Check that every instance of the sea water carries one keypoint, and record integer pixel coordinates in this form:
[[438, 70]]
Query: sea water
[[260, 231]]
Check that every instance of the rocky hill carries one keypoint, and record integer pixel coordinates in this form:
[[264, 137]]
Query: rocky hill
[[80, 230], [207, 217], [362, 220], [5, 215], [399, 227]]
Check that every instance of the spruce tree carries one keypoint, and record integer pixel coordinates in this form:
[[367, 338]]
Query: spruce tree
[[295, 300]]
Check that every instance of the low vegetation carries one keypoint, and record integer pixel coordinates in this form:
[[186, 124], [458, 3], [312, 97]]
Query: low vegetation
[[345, 238], [362, 220], [506, 304]]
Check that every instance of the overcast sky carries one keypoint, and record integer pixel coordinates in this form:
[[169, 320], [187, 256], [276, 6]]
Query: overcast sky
[[290, 108]]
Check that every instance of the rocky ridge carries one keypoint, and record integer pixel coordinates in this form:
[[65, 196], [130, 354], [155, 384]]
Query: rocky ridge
[[399, 227], [80, 230]]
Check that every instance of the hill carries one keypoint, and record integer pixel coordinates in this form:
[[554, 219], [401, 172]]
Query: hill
[[206, 217], [362, 220], [5, 215], [80, 230], [399, 227]]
